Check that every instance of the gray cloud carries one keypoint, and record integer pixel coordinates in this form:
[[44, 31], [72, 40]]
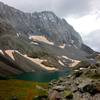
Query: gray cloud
[[73, 7], [60, 7], [93, 40]]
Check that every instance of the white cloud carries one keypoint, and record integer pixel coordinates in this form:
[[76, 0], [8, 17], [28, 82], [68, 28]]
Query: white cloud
[[86, 24], [93, 40], [89, 28]]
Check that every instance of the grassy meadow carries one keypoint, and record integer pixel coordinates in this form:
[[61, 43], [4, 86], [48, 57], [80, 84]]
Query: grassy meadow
[[23, 90]]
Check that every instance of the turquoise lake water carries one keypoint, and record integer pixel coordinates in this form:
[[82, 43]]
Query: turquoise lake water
[[43, 76]]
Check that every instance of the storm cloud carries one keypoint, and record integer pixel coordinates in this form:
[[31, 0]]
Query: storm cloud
[[61, 7]]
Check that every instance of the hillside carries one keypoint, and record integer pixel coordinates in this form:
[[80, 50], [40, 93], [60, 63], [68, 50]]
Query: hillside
[[39, 41]]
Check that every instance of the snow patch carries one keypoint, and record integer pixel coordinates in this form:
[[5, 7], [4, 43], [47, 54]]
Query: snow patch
[[10, 53], [74, 62], [82, 68], [75, 46], [66, 57], [34, 60], [76, 70], [1, 52], [35, 43], [18, 34], [62, 46], [39, 62], [41, 38], [60, 62]]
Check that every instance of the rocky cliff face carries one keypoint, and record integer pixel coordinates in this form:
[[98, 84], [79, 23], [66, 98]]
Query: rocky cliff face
[[41, 39], [82, 84], [41, 23]]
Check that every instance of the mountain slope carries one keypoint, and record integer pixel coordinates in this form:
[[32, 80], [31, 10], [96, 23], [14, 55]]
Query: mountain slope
[[42, 23], [41, 40]]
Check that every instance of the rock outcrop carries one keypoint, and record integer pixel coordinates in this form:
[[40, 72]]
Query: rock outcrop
[[82, 84]]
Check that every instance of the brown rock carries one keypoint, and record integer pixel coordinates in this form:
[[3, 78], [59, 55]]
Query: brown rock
[[54, 95]]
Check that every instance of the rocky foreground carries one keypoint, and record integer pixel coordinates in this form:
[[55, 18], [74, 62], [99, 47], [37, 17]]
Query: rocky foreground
[[82, 84]]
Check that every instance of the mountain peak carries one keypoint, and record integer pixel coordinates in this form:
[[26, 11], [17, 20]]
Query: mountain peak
[[47, 12], [41, 23], [42, 40], [44, 23], [46, 15]]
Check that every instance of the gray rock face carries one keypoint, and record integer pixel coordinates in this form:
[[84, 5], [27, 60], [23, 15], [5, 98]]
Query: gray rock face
[[58, 30], [41, 23], [6, 29]]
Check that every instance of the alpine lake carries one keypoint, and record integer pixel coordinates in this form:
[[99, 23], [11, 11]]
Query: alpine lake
[[43, 76]]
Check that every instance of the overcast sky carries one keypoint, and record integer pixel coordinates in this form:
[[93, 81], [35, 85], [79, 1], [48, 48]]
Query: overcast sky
[[83, 15]]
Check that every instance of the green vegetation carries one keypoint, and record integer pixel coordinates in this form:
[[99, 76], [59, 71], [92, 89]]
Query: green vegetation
[[22, 90], [94, 74], [68, 94], [38, 54], [82, 64]]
